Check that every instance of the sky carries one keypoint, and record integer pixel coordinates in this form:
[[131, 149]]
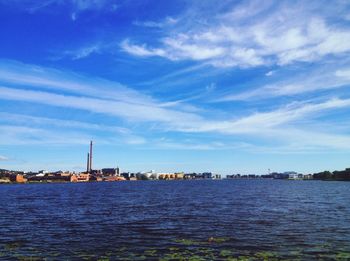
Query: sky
[[193, 86]]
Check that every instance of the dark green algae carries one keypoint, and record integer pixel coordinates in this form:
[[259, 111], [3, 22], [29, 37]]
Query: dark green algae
[[182, 249]]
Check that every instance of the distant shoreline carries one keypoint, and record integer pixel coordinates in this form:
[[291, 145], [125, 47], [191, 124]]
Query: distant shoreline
[[189, 180], [113, 175]]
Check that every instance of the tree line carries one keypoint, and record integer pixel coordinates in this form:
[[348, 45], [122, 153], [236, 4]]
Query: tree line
[[335, 175]]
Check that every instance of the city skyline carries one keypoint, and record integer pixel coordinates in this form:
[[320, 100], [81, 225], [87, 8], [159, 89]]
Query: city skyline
[[229, 87]]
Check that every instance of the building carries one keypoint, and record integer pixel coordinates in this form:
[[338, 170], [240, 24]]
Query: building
[[190, 176], [280, 175], [167, 176], [110, 172], [5, 180], [20, 178], [114, 178], [308, 176], [293, 176], [81, 177], [207, 175], [216, 176], [179, 175], [128, 176]]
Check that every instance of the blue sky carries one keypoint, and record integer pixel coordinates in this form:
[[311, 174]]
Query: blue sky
[[222, 86]]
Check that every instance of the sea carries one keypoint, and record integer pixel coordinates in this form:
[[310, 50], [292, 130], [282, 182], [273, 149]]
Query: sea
[[176, 220]]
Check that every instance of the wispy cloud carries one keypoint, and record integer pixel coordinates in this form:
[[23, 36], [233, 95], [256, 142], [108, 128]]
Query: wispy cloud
[[43, 135], [141, 50], [20, 74], [172, 118], [254, 34], [76, 6], [79, 6], [97, 47], [331, 76], [198, 145], [131, 111], [343, 73], [175, 75], [20, 135], [37, 126], [168, 21], [82, 5], [109, 98], [24, 120], [260, 122], [3, 158], [95, 95], [83, 52], [270, 73]]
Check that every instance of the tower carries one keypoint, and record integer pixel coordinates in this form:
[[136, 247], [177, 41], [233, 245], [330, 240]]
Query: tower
[[90, 161]]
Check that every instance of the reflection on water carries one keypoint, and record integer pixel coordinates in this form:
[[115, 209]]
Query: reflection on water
[[176, 220]]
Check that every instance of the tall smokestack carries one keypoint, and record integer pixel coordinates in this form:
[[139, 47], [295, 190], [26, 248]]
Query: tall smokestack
[[90, 162]]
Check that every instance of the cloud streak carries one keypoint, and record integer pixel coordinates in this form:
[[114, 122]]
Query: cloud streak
[[36, 77], [140, 112], [320, 79], [3, 158], [76, 6], [254, 34], [171, 118], [39, 125], [133, 107], [168, 21]]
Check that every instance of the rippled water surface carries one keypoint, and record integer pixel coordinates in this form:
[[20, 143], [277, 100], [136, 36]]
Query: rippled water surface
[[176, 220]]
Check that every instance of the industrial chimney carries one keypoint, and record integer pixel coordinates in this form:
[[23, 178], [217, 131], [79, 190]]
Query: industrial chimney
[[90, 161]]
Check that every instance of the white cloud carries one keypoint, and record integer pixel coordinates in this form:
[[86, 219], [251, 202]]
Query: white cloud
[[265, 123], [270, 73], [43, 128], [191, 146], [131, 111], [134, 107], [343, 73], [181, 48], [20, 135], [324, 78], [79, 6], [168, 21], [24, 120], [20, 74], [76, 6], [254, 34], [180, 74], [176, 120], [3, 158], [140, 50], [82, 5], [290, 113], [135, 140], [32, 133], [276, 124], [84, 52]]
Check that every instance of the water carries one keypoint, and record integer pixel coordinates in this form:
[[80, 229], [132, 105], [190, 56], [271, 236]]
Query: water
[[176, 220]]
